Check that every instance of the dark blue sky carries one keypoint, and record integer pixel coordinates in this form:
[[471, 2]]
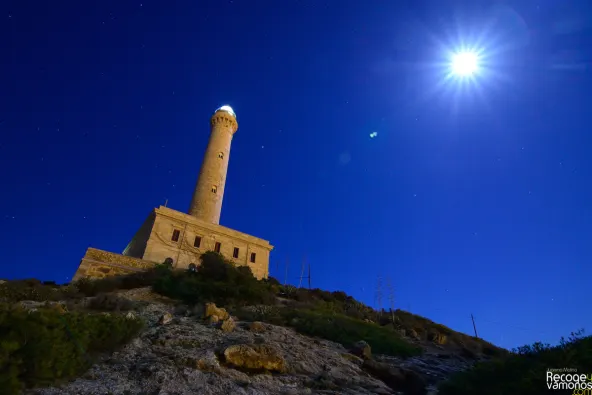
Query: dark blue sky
[[472, 198]]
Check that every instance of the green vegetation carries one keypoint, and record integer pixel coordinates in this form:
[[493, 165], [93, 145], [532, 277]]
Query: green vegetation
[[110, 302], [45, 347], [216, 281], [346, 330], [333, 316], [524, 370], [35, 290], [316, 313]]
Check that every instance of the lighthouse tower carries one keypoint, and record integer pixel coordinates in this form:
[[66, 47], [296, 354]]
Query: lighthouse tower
[[180, 238], [206, 203]]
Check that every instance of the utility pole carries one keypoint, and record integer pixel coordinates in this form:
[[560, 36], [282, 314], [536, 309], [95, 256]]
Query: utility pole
[[391, 292], [304, 261], [474, 327], [166, 201], [301, 273], [379, 295], [286, 275]]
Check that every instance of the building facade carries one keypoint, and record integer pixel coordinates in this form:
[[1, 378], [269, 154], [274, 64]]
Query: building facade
[[181, 238]]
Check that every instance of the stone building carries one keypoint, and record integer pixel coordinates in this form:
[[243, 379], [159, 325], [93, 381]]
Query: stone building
[[179, 237]]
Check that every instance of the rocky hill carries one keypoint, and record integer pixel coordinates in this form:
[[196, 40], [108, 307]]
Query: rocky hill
[[195, 350], [217, 330]]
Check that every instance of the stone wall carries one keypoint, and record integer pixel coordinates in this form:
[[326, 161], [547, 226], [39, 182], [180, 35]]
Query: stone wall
[[160, 246], [137, 246], [206, 203], [183, 252], [100, 264]]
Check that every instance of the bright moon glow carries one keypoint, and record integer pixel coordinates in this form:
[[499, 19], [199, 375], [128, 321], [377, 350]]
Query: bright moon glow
[[465, 64], [227, 109]]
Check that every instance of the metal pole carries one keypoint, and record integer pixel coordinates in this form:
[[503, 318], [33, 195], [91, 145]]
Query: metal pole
[[286, 275], [474, 327]]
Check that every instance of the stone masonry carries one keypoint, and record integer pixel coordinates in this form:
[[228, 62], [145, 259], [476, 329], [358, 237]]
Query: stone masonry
[[206, 203]]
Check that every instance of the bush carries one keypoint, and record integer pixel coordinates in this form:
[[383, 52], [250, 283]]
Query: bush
[[47, 347], [145, 278], [15, 291], [272, 281], [216, 280], [524, 370], [346, 330], [110, 302]]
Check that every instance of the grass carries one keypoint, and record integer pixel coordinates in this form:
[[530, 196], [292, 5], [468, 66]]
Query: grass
[[333, 316], [523, 371], [47, 347], [346, 330]]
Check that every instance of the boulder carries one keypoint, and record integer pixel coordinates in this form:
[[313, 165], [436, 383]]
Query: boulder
[[228, 325], [210, 309], [258, 357], [362, 349], [257, 327], [438, 338], [165, 319], [207, 362]]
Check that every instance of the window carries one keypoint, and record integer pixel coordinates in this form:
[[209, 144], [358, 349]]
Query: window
[[217, 246], [168, 262], [214, 188], [253, 255], [221, 155], [192, 267], [235, 252], [197, 242], [176, 234]]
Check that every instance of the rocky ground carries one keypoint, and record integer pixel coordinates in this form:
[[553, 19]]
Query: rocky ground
[[180, 352]]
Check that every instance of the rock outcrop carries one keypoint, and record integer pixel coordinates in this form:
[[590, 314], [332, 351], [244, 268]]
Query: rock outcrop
[[185, 351]]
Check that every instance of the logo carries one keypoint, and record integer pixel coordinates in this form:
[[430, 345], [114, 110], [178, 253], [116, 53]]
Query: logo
[[569, 379]]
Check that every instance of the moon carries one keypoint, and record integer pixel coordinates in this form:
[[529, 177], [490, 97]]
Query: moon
[[464, 64]]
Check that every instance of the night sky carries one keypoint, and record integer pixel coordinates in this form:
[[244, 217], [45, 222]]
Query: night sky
[[354, 150]]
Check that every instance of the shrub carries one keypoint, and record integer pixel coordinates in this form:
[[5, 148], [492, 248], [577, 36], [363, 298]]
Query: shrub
[[345, 330], [272, 281], [15, 291], [46, 347], [145, 278], [110, 302], [524, 370], [216, 280]]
